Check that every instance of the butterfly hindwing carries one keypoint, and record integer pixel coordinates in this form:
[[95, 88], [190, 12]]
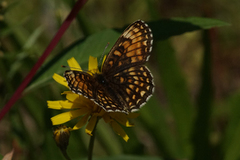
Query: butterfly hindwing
[[135, 85], [107, 98]]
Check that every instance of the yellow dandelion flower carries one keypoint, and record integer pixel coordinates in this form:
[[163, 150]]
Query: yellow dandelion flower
[[87, 110]]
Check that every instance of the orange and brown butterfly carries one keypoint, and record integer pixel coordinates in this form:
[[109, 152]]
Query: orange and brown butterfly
[[124, 83]]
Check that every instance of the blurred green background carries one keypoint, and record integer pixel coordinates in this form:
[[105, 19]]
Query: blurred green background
[[195, 110]]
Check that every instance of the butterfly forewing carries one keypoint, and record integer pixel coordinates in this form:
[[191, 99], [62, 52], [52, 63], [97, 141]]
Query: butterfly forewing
[[132, 48], [80, 83]]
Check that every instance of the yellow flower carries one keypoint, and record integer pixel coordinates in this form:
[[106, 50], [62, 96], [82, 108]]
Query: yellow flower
[[87, 110]]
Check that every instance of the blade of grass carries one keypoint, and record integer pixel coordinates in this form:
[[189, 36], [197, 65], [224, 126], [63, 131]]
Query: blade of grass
[[231, 145], [177, 94], [201, 142]]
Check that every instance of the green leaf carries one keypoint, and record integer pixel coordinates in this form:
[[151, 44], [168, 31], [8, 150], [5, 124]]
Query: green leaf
[[93, 45], [203, 23], [166, 28]]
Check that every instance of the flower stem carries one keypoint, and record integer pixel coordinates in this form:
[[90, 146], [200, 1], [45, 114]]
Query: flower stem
[[91, 143], [64, 152]]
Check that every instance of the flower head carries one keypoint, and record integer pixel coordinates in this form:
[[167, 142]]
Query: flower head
[[61, 136], [87, 110]]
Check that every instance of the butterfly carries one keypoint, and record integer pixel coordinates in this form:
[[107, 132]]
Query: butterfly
[[124, 84]]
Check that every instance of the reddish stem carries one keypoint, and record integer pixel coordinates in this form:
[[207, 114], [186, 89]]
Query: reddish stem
[[79, 4]]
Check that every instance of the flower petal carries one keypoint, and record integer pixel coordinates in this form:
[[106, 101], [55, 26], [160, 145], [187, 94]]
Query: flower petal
[[73, 64], [62, 105], [67, 92], [80, 101], [60, 79], [93, 64], [68, 105], [56, 104], [118, 129], [104, 58], [72, 97], [91, 124], [121, 118], [61, 118], [133, 115], [128, 124], [82, 122], [107, 118], [67, 116]]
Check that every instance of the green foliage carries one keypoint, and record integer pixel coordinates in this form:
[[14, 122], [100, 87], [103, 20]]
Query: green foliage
[[128, 158], [172, 125]]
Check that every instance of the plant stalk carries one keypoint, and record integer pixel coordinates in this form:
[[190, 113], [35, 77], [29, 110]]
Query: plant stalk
[[91, 143]]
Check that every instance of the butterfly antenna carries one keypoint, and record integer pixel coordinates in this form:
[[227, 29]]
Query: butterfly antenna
[[101, 59]]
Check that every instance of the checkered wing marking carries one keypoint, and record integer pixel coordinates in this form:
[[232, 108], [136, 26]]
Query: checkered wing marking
[[107, 99], [80, 83], [135, 85], [132, 48], [89, 86]]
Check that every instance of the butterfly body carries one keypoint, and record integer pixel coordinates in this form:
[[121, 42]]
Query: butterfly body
[[124, 83]]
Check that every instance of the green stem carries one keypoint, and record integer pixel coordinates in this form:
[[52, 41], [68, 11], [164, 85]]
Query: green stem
[[64, 152], [91, 143], [201, 144]]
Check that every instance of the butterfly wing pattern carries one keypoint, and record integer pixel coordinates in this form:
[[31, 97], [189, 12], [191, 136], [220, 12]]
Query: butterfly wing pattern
[[125, 83]]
